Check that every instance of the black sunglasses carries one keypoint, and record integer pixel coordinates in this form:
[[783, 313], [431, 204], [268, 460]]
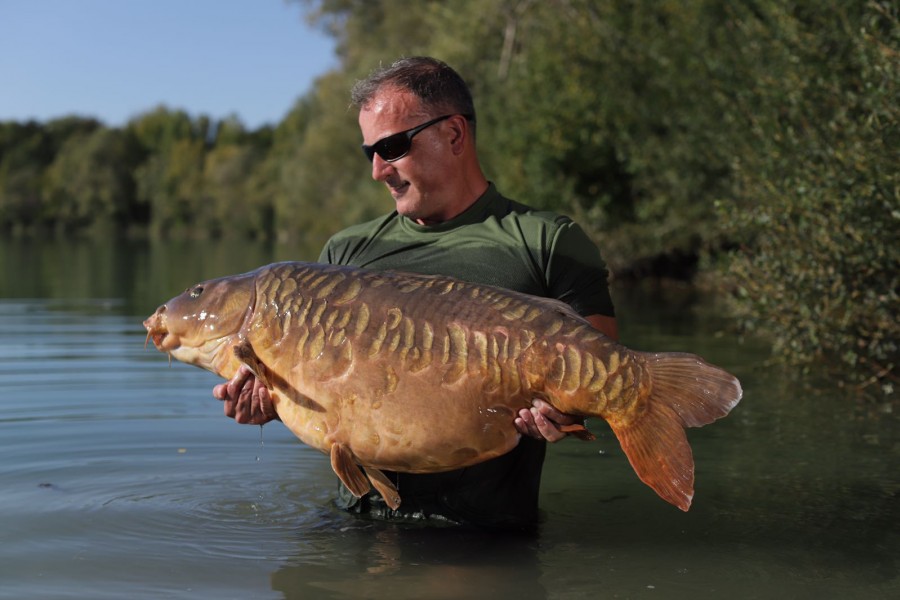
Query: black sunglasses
[[396, 146]]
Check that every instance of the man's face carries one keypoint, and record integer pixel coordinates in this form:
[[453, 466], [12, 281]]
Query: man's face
[[417, 179]]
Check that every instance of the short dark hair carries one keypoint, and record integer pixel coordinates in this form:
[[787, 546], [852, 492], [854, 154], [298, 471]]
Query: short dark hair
[[432, 81]]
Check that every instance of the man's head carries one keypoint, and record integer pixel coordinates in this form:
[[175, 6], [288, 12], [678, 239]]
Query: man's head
[[439, 88], [418, 124]]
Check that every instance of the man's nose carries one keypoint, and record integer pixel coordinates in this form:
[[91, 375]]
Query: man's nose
[[380, 168]]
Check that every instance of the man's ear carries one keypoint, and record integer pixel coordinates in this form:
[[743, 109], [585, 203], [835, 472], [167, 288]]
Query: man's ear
[[459, 133]]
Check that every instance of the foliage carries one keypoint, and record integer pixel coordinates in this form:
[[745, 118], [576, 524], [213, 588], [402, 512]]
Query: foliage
[[90, 180], [757, 136], [26, 151], [815, 203]]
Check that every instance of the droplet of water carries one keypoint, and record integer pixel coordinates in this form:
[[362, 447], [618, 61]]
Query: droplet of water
[[261, 443]]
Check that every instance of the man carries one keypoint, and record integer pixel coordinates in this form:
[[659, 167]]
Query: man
[[418, 124]]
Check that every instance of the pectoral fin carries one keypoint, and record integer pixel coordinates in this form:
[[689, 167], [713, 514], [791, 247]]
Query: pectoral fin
[[579, 431], [247, 355], [384, 486], [348, 471]]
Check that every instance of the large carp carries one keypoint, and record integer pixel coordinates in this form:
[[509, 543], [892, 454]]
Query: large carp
[[421, 374]]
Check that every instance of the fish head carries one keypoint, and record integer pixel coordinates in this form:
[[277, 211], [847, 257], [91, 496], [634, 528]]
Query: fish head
[[198, 324]]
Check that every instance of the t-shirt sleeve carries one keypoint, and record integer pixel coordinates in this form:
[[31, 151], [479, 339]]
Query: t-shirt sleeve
[[347, 246], [338, 249], [327, 255], [577, 274]]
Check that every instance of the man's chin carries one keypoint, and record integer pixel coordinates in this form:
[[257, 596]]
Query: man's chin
[[407, 205]]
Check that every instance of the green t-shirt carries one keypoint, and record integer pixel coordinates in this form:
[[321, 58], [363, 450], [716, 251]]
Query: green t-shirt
[[497, 242]]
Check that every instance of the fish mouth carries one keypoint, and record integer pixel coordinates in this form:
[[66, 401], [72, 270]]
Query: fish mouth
[[158, 338], [159, 333]]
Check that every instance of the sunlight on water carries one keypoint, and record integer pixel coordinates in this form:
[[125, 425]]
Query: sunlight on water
[[121, 478]]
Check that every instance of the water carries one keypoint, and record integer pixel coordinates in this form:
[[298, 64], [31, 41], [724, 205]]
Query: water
[[121, 478]]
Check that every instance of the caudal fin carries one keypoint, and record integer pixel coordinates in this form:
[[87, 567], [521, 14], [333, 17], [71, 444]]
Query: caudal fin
[[686, 391]]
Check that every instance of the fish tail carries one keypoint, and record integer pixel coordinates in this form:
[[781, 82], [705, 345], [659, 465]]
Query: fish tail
[[685, 391]]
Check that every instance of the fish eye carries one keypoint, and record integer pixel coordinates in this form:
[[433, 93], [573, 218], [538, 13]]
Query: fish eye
[[195, 293]]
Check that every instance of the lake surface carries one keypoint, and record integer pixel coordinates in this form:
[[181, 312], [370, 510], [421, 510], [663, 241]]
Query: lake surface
[[121, 478]]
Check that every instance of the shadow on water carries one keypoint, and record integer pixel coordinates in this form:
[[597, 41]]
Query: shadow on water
[[121, 478]]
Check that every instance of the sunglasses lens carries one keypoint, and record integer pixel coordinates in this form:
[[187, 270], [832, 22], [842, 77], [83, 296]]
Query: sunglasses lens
[[398, 145], [392, 147]]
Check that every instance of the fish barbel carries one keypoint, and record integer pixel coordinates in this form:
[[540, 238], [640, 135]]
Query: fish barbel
[[421, 374]]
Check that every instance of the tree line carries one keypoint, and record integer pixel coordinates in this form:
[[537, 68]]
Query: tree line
[[752, 143]]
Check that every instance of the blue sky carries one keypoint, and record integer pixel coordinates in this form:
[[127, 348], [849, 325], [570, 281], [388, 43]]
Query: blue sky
[[114, 59]]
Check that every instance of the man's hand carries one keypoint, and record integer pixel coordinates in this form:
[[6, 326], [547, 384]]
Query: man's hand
[[246, 399], [542, 422]]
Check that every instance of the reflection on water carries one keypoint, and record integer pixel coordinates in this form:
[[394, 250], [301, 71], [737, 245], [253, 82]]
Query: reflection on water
[[407, 562], [121, 478]]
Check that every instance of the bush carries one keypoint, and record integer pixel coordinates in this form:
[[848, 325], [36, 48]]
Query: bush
[[817, 200]]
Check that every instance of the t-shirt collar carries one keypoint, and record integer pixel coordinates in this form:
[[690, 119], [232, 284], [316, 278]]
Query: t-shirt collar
[[474, 214]]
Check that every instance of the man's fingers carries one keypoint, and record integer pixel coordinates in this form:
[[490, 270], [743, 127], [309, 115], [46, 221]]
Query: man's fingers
[[260, 399], [542, 421], [550, 413], [525, 423], [237, 383], [532, 423], [266, 408], [244, 400], [547, 430], [230, 408]]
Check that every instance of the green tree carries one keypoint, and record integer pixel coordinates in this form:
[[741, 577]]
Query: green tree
[[323, 182], [90, 181], [159, 129], [170, 182], [25, 152], [226, 175], [816, 202]]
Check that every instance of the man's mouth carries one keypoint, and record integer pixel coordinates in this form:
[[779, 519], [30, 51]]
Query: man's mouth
[[398, 188]]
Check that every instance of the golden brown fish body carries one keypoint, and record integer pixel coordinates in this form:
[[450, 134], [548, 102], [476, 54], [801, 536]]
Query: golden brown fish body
[[423, 374]]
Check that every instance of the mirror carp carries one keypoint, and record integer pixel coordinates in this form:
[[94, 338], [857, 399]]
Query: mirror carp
[[420, 374]]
